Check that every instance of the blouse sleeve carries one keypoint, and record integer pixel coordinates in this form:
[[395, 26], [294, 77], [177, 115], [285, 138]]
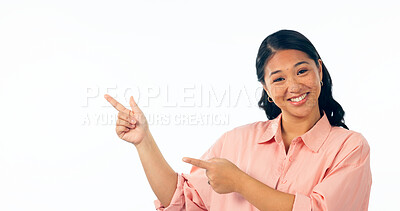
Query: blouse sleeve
[[193, 193], [347, 185]]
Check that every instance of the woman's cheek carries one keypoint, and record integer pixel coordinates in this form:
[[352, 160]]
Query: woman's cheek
[[282, 102], [312, 99]]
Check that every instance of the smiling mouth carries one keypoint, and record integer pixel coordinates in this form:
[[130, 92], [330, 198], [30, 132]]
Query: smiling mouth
[[297, 99]]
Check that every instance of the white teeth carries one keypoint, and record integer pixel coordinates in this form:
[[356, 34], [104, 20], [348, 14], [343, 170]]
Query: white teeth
[[299, 98]]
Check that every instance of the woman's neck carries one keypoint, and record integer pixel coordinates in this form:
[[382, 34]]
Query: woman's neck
[[294, 126]]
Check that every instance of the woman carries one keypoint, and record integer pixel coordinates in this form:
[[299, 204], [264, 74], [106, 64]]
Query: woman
[[303, 158]]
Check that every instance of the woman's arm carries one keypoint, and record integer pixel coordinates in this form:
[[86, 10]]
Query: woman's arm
[[161, 176], [225, 177], [132, 127], [262, 196]]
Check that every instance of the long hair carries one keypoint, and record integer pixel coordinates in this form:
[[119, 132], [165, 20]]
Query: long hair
[[289, 39]]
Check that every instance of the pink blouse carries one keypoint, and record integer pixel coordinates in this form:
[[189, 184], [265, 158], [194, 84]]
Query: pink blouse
[[327, 168]]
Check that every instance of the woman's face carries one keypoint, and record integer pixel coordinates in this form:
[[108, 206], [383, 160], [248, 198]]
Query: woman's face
[[292, 80]]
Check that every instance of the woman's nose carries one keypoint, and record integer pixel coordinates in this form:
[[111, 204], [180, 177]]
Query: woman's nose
[[293, 86]]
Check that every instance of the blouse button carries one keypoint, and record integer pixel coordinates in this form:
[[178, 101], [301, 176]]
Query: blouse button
[[291, 158]]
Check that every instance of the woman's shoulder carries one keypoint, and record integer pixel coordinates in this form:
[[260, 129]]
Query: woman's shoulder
[[237, 137], [249, 131], [347, 145], [348, 137]]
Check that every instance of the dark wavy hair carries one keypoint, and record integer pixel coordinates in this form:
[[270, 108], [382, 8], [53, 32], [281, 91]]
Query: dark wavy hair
[[289, 39]]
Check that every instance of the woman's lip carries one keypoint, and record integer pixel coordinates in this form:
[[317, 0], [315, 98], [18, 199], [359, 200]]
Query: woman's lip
[[298, 96], [301, 102]]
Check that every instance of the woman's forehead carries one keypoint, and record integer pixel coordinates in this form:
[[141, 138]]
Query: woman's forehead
[[285, 59]]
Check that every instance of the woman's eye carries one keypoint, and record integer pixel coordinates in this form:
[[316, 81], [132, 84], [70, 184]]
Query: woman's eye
[[278, 79], [302, 71]]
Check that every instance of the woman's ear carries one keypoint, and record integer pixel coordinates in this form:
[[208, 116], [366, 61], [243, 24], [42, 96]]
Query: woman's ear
[[266, 89]]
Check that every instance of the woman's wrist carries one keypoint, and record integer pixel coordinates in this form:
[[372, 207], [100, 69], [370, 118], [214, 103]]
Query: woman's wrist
[[146, 142], [241, 182]]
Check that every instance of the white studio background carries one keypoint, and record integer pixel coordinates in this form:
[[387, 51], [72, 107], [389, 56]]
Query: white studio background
[[58, 147]]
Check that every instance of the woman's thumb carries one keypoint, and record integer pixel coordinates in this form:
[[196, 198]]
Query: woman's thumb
[[134, 106]]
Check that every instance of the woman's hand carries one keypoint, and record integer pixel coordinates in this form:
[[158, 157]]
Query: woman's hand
[[223, 175], [132, 125]]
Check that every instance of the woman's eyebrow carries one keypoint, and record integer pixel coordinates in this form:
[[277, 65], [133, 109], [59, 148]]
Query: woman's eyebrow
[[274, 72], [297, 64]]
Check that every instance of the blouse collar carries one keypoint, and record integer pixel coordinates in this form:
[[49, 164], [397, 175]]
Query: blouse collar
[[313, 138]]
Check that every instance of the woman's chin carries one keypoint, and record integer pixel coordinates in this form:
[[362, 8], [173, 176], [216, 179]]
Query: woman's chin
[[299, 115], [299, 112]]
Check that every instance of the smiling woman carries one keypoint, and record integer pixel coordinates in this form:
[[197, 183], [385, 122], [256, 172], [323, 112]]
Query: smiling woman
[[303, 158], [298, 48]]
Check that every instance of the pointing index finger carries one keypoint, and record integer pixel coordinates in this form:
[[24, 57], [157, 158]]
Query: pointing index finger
[[116, 104], [196, 162]]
